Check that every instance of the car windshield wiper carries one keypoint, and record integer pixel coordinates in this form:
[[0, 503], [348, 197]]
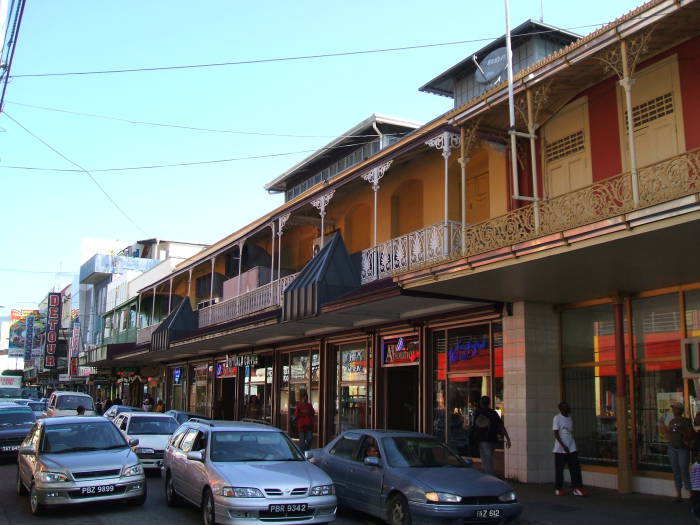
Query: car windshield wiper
[[76, 449], [115, 446]]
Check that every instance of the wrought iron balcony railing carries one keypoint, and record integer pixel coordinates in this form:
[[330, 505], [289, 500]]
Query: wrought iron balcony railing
[[245, 304], [143, 335], [664, 181]]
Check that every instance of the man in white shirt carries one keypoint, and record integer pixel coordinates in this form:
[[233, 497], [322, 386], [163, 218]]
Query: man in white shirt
[[565, 452]]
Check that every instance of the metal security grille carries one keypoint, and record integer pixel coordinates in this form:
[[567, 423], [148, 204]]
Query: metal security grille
[[565, 146], [651, 110]]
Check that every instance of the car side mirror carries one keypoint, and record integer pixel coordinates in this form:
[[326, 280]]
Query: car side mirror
[[27, 450], [196, 455], [308, 454], [133, 442], [372, 461]]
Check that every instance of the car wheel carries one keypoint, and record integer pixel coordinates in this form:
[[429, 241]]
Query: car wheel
[[171, 497], [21, 489], [397, 511], [208, 512], [36, 508]]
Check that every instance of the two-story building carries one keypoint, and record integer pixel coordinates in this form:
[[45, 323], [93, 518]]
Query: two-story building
[[551, 259]]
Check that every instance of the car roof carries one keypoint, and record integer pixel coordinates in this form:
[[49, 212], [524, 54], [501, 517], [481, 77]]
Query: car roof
[[232, 425], [147, 414], [73, 419], [387, 433], [68, 392], [12, 406]]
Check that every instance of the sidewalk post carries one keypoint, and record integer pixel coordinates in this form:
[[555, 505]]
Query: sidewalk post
[[624, 471]]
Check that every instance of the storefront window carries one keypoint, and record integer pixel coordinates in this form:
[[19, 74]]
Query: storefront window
[[258, 389], [199, 389], [692, 313], [297, 381], [659, 382], [353, 370], [177, 388], [439, 386], [588, 353]]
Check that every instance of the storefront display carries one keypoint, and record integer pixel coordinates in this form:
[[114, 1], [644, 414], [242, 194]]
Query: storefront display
[[353, 392], [258, 388], [199, 388], [300, 377], [177, 381]]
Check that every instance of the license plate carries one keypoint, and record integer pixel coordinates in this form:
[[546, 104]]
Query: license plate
[[10, 448], [493, 514], [289, 508], [97, 491]]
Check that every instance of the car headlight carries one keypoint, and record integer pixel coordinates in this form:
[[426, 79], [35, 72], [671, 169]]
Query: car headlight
[[53, 477], [133, 470], [322, 490], [141, 450], [442, 497], [241, 492], [508, 497]]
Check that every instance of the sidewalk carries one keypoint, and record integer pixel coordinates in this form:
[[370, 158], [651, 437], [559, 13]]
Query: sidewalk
[[601, 507]]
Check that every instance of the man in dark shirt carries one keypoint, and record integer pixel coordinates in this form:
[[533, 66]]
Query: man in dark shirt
[[487, 425]]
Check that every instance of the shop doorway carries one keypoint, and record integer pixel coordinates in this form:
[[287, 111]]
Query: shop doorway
[[402, 397], [226, 408], [462, 402]]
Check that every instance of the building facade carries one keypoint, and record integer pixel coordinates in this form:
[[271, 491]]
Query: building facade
[[466, 258]]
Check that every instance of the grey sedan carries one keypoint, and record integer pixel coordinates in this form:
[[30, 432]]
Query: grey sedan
[[77, 459], [407, 477]]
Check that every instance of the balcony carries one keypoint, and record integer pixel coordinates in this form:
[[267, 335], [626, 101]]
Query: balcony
[[245, 304], [143, 335], [125, 336], [665, 181]]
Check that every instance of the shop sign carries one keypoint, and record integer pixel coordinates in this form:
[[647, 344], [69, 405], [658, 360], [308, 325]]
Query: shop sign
[[223, 371], [400, 351], [244, 360], [126, 371], [63, 378], [85, 371], [28, 337], [74, 349], [53, 325], [466, 350], [354, 365]]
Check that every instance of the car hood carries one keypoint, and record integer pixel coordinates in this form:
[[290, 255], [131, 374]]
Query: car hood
[[154, 441], [464, 482], [14, 431], [92, 460], [273, 474]]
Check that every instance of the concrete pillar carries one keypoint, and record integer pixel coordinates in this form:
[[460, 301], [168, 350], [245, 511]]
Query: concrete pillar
[[531, 371]]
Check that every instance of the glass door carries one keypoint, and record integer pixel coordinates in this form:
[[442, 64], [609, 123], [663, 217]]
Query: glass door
[[462, 402]]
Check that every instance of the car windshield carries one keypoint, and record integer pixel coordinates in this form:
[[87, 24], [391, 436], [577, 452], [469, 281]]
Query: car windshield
[[11, 418], [252, 445], [419, 452], [73, 402], [140, 426], [83, 436], [37, 406]]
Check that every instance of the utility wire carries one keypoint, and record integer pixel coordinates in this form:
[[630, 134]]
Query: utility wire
[[92, 178], [290, 58], [180, 126], [19, 270], [182, 164]]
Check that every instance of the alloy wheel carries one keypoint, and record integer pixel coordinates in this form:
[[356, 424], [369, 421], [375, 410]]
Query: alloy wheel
[[208, 509]]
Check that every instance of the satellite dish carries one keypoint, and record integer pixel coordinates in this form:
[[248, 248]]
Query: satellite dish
[[491, 67]]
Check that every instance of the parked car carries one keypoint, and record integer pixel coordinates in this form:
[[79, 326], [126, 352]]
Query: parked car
[[115, 410], [38, 407], [153, 432], [182, 417], [15, 422], [67, 403], [238, 472], [22, 401], [73, 460], [407, 477]]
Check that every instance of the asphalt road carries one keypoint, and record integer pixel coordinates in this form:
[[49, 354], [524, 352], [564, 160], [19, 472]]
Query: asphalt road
[[14, 510]]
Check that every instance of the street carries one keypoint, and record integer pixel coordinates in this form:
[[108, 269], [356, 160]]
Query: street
[[14, 510]]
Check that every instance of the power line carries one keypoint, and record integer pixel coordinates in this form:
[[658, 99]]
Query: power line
[[19, 270], [290, 58], [180, 126], [109, 197], [183, 164]]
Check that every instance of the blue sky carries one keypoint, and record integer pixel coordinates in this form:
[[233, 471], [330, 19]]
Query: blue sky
[[47, 213]]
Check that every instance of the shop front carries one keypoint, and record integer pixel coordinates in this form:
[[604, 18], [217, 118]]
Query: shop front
[[225, 389], [353, 403], [300, 377], [200, 380], [176, 377], [257, 372], [401, 355]]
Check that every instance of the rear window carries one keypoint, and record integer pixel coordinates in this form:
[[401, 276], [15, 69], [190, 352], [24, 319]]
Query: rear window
[[70, 402], [140, 426], [13, 417]]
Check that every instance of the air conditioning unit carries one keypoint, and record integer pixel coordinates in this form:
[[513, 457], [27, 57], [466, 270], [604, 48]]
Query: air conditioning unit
[[204, 304]]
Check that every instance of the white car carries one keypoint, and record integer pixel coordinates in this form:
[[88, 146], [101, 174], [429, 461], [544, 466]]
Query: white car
[[152, 430], [67, 403]]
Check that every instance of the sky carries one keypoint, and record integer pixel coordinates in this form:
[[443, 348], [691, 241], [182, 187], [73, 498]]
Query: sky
[[46, 213]]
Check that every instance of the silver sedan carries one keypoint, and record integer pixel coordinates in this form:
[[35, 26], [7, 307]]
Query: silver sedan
[[73, 460]]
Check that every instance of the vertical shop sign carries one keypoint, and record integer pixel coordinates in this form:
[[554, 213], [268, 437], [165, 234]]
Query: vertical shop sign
[[53, 325], [74, 350], [28, 337]]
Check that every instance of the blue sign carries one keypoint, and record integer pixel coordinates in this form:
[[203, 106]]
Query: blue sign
[[466, 351], [29, 338], [177, 375]]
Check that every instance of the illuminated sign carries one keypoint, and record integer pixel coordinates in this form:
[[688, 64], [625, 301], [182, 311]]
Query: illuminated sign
[[400, 351], [53, 325], [244, 360], [223, 371], [467, 350], [177, 375]]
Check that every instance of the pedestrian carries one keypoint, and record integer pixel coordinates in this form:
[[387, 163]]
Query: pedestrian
[[304, 415], [565, 452], [680, 435], [695, 489], [147, 404], [117, 401], [80, 410], [487, 425], [160, 407], [254, 408], [99, 408], [107, 404]]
